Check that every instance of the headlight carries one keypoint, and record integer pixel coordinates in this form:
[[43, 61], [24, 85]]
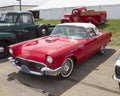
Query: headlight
[[10, 51], [49, 59]]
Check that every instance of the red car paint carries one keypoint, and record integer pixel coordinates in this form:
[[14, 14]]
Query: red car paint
[[59, 48]]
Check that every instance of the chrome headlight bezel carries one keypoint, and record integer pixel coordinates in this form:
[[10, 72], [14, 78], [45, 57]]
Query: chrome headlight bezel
[[49, 59], [10, 51]]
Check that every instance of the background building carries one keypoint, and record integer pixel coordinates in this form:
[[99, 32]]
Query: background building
[[55, 9], [16, 8]]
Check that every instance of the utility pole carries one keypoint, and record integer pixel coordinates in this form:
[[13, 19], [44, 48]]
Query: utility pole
[[20, 5]]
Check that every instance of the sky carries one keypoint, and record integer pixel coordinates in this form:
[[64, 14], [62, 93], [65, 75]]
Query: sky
[[24, 2]]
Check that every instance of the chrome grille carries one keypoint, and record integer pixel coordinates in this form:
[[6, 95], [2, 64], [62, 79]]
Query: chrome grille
[[32, 65]]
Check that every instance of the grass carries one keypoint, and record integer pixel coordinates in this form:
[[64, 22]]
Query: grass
[[38, 21], [109, 26], [114, 27]]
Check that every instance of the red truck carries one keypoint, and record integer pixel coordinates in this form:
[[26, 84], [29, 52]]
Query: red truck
[[81, 14]]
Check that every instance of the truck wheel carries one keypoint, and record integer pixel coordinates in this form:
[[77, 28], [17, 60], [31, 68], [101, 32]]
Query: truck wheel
[[67, 68], [3, 49], [102, 50], [43, 31], [89, 21]]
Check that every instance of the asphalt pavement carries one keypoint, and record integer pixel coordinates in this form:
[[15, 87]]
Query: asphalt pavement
[[93, 77], [99, 82]]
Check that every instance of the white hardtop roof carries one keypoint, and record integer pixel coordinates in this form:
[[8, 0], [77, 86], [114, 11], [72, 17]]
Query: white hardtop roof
[[84, 25]]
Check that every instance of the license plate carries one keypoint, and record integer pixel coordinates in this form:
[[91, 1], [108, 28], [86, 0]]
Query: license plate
[[25, 69]]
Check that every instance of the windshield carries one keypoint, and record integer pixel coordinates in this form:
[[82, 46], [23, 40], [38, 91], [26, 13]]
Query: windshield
[[70, 31], [2, 18], [9, 18]]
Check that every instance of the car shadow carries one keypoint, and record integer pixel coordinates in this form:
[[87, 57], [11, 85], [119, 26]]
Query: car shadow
[[55, 86], [3, 60]]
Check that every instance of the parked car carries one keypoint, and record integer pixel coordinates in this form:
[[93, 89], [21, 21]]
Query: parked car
[[82, 14], [117, 71], [19, 26], [68, 45]]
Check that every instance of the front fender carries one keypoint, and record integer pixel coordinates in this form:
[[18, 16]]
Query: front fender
[[65, 20], [5, 36], [60, 57]]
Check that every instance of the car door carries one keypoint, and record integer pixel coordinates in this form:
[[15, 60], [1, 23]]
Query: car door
[[25, 28], [93, 42]]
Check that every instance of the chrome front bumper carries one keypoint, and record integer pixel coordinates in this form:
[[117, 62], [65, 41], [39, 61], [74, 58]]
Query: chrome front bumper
[[44, 71]]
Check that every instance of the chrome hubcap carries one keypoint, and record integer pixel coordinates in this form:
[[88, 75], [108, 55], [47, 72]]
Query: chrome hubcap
[[66, 67], [102, 49], [2, 49], [43, 31]]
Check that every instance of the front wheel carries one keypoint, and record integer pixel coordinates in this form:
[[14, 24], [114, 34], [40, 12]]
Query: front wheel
[[89, 21], [3, 49], [67, 67]]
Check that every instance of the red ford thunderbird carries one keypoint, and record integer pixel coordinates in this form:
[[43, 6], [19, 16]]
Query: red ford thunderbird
[[68, 44]]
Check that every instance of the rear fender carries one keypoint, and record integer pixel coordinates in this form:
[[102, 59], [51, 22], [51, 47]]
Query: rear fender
[[64, 20]]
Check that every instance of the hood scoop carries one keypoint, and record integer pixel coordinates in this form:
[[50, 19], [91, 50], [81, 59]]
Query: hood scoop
[[46, 45], [50, 40]]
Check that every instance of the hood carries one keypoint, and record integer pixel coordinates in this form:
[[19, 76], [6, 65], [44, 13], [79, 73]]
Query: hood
[[47, 44], [5, 27]]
